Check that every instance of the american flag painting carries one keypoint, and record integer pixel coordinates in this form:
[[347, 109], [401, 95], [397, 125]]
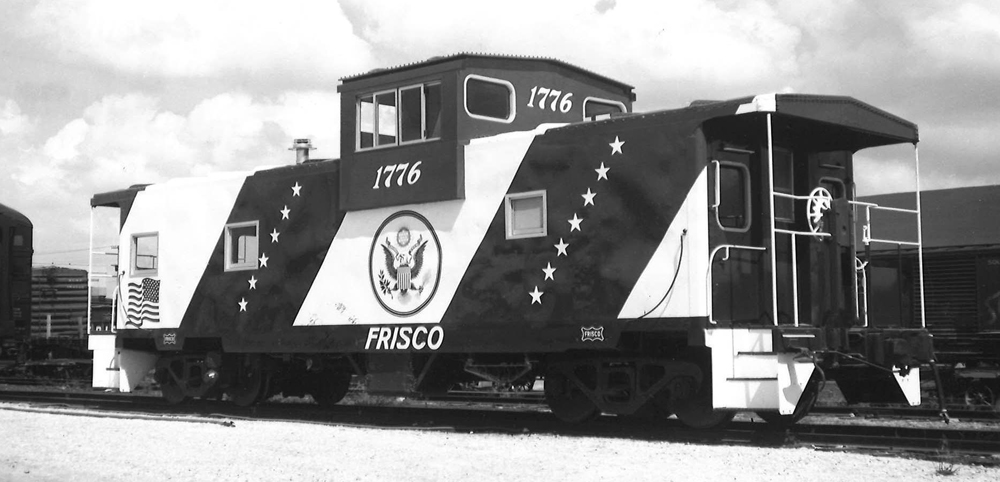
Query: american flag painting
[[143, 303]]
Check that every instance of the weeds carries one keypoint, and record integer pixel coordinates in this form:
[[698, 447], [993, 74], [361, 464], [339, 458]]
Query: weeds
[[945, 467]]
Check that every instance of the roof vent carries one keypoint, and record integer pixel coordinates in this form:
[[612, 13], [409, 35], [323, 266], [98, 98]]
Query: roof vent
[[301, 148]]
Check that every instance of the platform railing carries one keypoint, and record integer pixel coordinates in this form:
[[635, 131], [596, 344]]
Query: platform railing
[[868, 238]]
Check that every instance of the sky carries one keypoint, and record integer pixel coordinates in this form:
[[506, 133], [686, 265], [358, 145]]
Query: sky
[[98, 95]]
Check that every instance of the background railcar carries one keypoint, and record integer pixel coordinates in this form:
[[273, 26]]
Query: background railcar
[[15, 283], [961, 242], [504, 218]]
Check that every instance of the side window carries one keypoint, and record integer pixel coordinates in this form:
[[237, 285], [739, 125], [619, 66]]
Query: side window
[[366, 122], [241, 246], [398, 116], [16, 238], [599, 109], [385, 104], [526, 215], [489, 99], [784, 175], [145, 254], [732, 196], [411, 119], [432, 111]]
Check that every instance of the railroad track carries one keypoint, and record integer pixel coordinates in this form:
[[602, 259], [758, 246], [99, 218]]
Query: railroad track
[[532, 398], [945, 443]]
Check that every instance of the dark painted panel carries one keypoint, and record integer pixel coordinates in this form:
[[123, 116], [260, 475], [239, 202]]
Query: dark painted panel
[[434, 172], [646, 186], [281, 286]]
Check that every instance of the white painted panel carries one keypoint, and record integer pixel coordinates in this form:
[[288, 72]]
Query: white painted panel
[[134, 367], [343, 293], [105, 373], [730, 370], [792, 379], [189, 215], [688, 297], [910, 384]]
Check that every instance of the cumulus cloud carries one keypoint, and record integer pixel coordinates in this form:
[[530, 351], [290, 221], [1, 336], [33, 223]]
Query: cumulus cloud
[[186, 38], [961, 36], [12, 122], [686, 40], [129, 139], [187, 87]]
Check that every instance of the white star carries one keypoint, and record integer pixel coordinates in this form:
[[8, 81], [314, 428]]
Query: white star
[[616, 146], [589, 197], [284, 212], [536, 296], [561, 247], [274, 235], [602, 173], [549, 271], [574, 224], [243, 304], [296, 190], [253, 282], [263, 260]]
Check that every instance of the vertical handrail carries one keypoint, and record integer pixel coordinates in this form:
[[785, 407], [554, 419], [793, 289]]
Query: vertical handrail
[[770, 201], [718, 185], [795, 283], [90, 272], [861, 267], [854, 236], [920, 239]]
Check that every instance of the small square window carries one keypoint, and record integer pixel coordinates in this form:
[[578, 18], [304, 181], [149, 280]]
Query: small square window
[[145, 254], [526, 215], [241, 246]]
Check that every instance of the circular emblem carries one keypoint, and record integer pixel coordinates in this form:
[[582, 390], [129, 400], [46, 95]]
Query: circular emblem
[[820, 201], [405, 263]]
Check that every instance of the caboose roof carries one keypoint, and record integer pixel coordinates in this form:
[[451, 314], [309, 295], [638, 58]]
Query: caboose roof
[[848, 112], [447, 62], [830, 122], [12, 214]]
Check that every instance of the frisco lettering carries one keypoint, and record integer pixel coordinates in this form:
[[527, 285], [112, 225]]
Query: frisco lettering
[[404, 337]]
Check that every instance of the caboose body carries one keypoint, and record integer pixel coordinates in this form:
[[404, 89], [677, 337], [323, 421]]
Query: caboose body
[[504, 218], [15, 283]]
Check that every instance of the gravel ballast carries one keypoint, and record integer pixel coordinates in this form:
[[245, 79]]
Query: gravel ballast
[[58, 447]]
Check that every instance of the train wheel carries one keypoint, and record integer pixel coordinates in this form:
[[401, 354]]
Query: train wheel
[[328, 387], [250, 380], [697, 411], [979, 395], [806, 403], [171, 386], [567, 402], [172, 392]]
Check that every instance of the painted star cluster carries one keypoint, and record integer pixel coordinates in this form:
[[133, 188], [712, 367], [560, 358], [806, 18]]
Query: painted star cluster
[[576, 223], [285, 214]]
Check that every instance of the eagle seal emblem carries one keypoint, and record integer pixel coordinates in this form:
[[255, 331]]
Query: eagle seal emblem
[[405, 263]]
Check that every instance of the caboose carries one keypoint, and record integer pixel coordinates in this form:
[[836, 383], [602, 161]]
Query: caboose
[[505, 218], [15, 283]]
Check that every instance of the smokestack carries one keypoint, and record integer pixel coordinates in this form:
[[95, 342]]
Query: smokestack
[[301, 148]]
